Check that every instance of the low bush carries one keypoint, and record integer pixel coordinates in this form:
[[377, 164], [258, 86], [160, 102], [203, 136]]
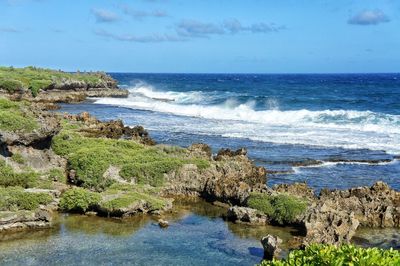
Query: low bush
[[8, 178], [10, 85], [91, 157], [13, 119], [281, 208], [17, 157], [337, 256], [36, 79], [79, 200], [58, 175], [15, 198]]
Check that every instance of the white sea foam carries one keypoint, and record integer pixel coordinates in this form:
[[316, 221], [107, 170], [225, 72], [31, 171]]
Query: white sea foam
[[332, 128]]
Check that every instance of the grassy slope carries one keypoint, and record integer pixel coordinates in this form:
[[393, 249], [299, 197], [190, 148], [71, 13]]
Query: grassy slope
[[13, 118], [36, 79]]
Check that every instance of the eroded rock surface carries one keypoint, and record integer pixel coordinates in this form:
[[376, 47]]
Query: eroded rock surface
[[230, 178]]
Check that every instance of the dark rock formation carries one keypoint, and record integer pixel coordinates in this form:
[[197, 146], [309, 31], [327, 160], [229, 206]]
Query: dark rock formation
[[271, 246]]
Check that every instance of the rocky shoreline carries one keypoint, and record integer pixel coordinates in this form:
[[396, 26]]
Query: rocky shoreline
[[54, 162]]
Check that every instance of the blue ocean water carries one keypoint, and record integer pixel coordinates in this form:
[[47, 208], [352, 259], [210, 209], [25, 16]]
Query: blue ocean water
[[348, 123]]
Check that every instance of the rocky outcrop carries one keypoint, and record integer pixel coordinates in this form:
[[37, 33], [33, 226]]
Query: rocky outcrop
[[247, 215], [326, 225], [335, 216], [48, 126], [271, 246], [300, 190], [230, 178], [376, 206], [20, 220], [114, 129]]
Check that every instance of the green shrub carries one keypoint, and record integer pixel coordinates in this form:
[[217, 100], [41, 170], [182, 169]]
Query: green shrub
[[36, 79], [260, 202], [281, 208], [91, 157], [36, 85], [15, 198], [79, 200], [337, 256], [8, 178], [17, 157], [122, 196], [58, 175], [10, 85], [13, 119]]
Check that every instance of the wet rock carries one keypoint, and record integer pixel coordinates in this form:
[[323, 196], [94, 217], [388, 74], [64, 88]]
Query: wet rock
[[20, 220], [247, 215], [163, 223], [271, 246]]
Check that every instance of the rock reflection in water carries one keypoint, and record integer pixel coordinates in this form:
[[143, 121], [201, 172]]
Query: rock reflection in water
[[196, 236]]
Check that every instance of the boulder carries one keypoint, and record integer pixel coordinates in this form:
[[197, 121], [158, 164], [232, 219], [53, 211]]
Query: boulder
[[271, 246], [247, 215], [163, 223]]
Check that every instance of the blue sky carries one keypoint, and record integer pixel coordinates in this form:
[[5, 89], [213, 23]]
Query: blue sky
[[207, 36]]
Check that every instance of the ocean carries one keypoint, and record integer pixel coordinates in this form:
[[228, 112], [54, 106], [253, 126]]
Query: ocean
[[328, 130]]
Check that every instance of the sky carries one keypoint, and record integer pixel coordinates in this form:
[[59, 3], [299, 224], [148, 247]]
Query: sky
[[202, 36]]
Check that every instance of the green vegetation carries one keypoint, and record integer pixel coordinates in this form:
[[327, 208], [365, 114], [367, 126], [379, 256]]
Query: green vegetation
[[17, 157], [91, 157], [120, 196], [339, 256], [281, 208], [12, 118], [15, 198], [58, 175], [36, 79], [79, 200], [8, 178]]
